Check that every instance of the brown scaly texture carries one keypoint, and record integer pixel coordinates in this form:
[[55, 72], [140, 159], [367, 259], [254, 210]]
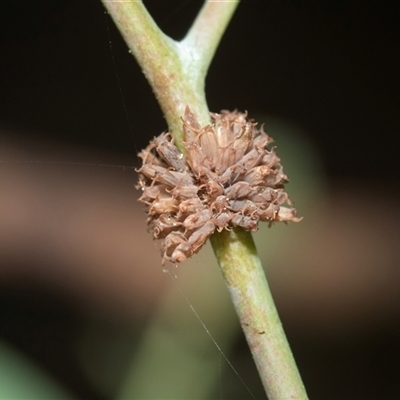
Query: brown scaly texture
[[227, 179]]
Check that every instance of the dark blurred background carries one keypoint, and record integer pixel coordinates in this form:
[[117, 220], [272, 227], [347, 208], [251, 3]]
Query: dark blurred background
[[331, 68]]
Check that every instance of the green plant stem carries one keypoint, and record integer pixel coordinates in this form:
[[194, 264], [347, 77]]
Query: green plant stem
[[204, 36], [245, 278], [176, 72]]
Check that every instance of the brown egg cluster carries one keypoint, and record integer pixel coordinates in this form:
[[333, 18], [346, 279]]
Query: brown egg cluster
[[227, 178]]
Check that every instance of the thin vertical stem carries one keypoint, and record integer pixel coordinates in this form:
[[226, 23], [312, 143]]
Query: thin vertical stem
[[176, 73], [245, 278]]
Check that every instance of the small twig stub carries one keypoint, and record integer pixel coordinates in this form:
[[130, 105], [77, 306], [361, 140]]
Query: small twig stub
[[227, 178]]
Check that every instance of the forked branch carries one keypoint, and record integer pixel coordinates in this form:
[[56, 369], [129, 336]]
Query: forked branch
[[176, 72]]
